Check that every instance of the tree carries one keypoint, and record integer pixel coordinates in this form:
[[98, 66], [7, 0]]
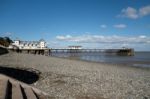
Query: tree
[[5, 41]]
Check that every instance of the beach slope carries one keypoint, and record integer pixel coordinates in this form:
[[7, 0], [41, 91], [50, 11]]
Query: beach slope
[[73, 79]]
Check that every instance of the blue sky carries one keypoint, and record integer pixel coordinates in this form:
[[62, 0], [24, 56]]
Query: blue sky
[[90, 23]]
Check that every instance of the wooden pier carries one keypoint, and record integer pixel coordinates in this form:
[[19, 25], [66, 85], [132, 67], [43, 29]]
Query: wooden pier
[[47, 52], [126, 52]]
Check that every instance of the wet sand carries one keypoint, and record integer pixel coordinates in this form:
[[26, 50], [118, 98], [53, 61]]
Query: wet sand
[[74, 79]]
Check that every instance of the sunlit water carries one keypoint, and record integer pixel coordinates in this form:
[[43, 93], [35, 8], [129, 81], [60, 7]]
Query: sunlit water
[[140, 59]]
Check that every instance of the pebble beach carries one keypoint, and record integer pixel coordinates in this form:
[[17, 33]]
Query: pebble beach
[[75, 79]]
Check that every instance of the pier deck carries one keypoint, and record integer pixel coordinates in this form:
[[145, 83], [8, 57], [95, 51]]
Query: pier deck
[[127, 52]]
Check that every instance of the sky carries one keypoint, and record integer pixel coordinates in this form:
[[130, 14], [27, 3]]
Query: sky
[[89, 23]]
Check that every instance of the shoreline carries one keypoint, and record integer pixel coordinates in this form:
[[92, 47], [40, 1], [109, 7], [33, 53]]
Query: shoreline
[[103, 63], [64, 78]]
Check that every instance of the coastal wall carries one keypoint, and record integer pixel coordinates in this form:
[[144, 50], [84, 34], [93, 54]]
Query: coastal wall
[[3, 50]]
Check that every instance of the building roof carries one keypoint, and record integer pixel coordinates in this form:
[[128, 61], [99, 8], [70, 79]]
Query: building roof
[[30, 42]]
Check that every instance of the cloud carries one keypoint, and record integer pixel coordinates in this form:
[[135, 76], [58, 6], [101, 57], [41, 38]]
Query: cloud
[[7, 34], [142, 36], [134, 13], [64, 37], [120, 26], [103, 26], [104, 39], [129, 12], [144, 11]]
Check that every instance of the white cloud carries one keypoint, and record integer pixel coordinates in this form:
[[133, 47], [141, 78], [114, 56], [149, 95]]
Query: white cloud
[[121, 26], [134, 13], [129, 13], [64, 37], [8, 34], [104, 39], [142, 36], [144, 11], [103, 26], [148, 42]]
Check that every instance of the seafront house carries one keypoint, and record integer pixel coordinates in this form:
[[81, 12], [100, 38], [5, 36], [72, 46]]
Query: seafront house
[[41, 44]]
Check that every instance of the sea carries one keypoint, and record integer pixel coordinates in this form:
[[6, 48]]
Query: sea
[[139, 59]]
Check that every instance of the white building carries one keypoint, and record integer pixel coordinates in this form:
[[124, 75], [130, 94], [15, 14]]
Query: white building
[[41, 44]]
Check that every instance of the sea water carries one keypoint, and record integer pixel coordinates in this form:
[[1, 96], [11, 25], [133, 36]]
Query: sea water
[[139, 59]]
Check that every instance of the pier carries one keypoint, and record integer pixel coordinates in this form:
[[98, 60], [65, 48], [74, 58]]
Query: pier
[[47, 52], [126, 52]]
